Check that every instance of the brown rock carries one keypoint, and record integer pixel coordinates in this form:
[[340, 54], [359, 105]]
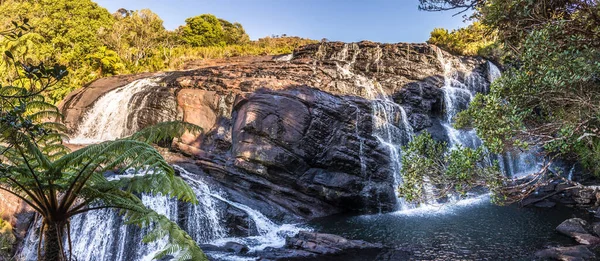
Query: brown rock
[[296, 132]]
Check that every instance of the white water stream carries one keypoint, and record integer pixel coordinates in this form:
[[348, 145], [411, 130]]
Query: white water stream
[[108, 118]]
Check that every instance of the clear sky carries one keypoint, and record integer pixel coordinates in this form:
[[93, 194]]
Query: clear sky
[[337, 20]]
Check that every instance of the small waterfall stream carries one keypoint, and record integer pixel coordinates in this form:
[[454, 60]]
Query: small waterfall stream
[[108, 118]]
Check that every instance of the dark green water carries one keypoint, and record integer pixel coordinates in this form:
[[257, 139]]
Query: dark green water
[[469, 230]]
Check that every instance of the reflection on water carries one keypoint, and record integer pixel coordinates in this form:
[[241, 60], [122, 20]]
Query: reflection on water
[[476, 230]]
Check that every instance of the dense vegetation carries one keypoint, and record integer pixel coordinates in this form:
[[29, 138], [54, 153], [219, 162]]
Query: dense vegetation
[[449, 172], [37, 168], [7, 238], [94, 43], [475, 39], [548, 97]]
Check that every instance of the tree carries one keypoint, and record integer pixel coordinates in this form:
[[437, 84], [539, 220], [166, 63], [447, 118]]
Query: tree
[[36, 167], [65, 32], [106, 61], [428, 163], [547, 97], [234, 33], [135, 35], [475, 39], [446, 5], [208, 30]]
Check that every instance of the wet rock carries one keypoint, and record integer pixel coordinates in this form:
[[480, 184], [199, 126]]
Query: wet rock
[[572, 226], [297, 132], [325, 243], [585, 196], [578, 229], [230, 247], [574, 253], [547, 188], [235, 247], [318, 246], [239, 224], [596, 228], [545, 204], [211, 248], [585, 238]]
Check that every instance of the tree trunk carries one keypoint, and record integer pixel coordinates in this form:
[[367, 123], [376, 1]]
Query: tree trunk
[[52, 242]]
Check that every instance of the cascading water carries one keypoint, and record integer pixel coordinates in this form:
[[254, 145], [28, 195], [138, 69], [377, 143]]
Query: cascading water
[[457, 96], [108, 118], [103, 236], [269, 233], [390, 121]]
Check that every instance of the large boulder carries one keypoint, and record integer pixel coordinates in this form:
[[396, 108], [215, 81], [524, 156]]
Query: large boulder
[[573, 226]]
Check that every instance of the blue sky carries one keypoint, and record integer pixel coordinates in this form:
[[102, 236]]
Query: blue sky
[[337, 20]]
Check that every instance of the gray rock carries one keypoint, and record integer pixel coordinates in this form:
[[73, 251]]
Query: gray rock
[[235, 247], [574, 253], [296, 135], [596, 228], [573, 225], [317, 246]]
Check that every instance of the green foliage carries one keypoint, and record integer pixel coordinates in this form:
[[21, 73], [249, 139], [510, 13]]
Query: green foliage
[[7, 239], [476, 39], [549, 96], [58, 184], [106, 61], [426, 162], [138, 37], [65, 30], [208, 30], [87, 38]]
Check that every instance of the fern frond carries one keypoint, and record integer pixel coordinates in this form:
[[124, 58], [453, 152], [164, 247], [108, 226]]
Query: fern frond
[[165, 130]]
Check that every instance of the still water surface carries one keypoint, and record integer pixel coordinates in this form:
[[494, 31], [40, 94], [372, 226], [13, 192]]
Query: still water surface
[[473, 229]]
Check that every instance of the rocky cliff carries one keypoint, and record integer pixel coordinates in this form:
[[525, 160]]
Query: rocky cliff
[[299, 135]]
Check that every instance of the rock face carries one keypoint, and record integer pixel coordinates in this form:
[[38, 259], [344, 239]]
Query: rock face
[[297, 133]]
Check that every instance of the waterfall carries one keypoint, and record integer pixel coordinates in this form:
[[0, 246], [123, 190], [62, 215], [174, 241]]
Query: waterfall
[[102, 235], [269, 233], [457, 96], [493, 72], [108, 118], [390, 120]]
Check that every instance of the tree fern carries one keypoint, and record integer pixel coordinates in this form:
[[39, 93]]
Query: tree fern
[[58, 184]]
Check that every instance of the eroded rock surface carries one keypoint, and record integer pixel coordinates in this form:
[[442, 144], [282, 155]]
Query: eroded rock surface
[[296, 134]]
